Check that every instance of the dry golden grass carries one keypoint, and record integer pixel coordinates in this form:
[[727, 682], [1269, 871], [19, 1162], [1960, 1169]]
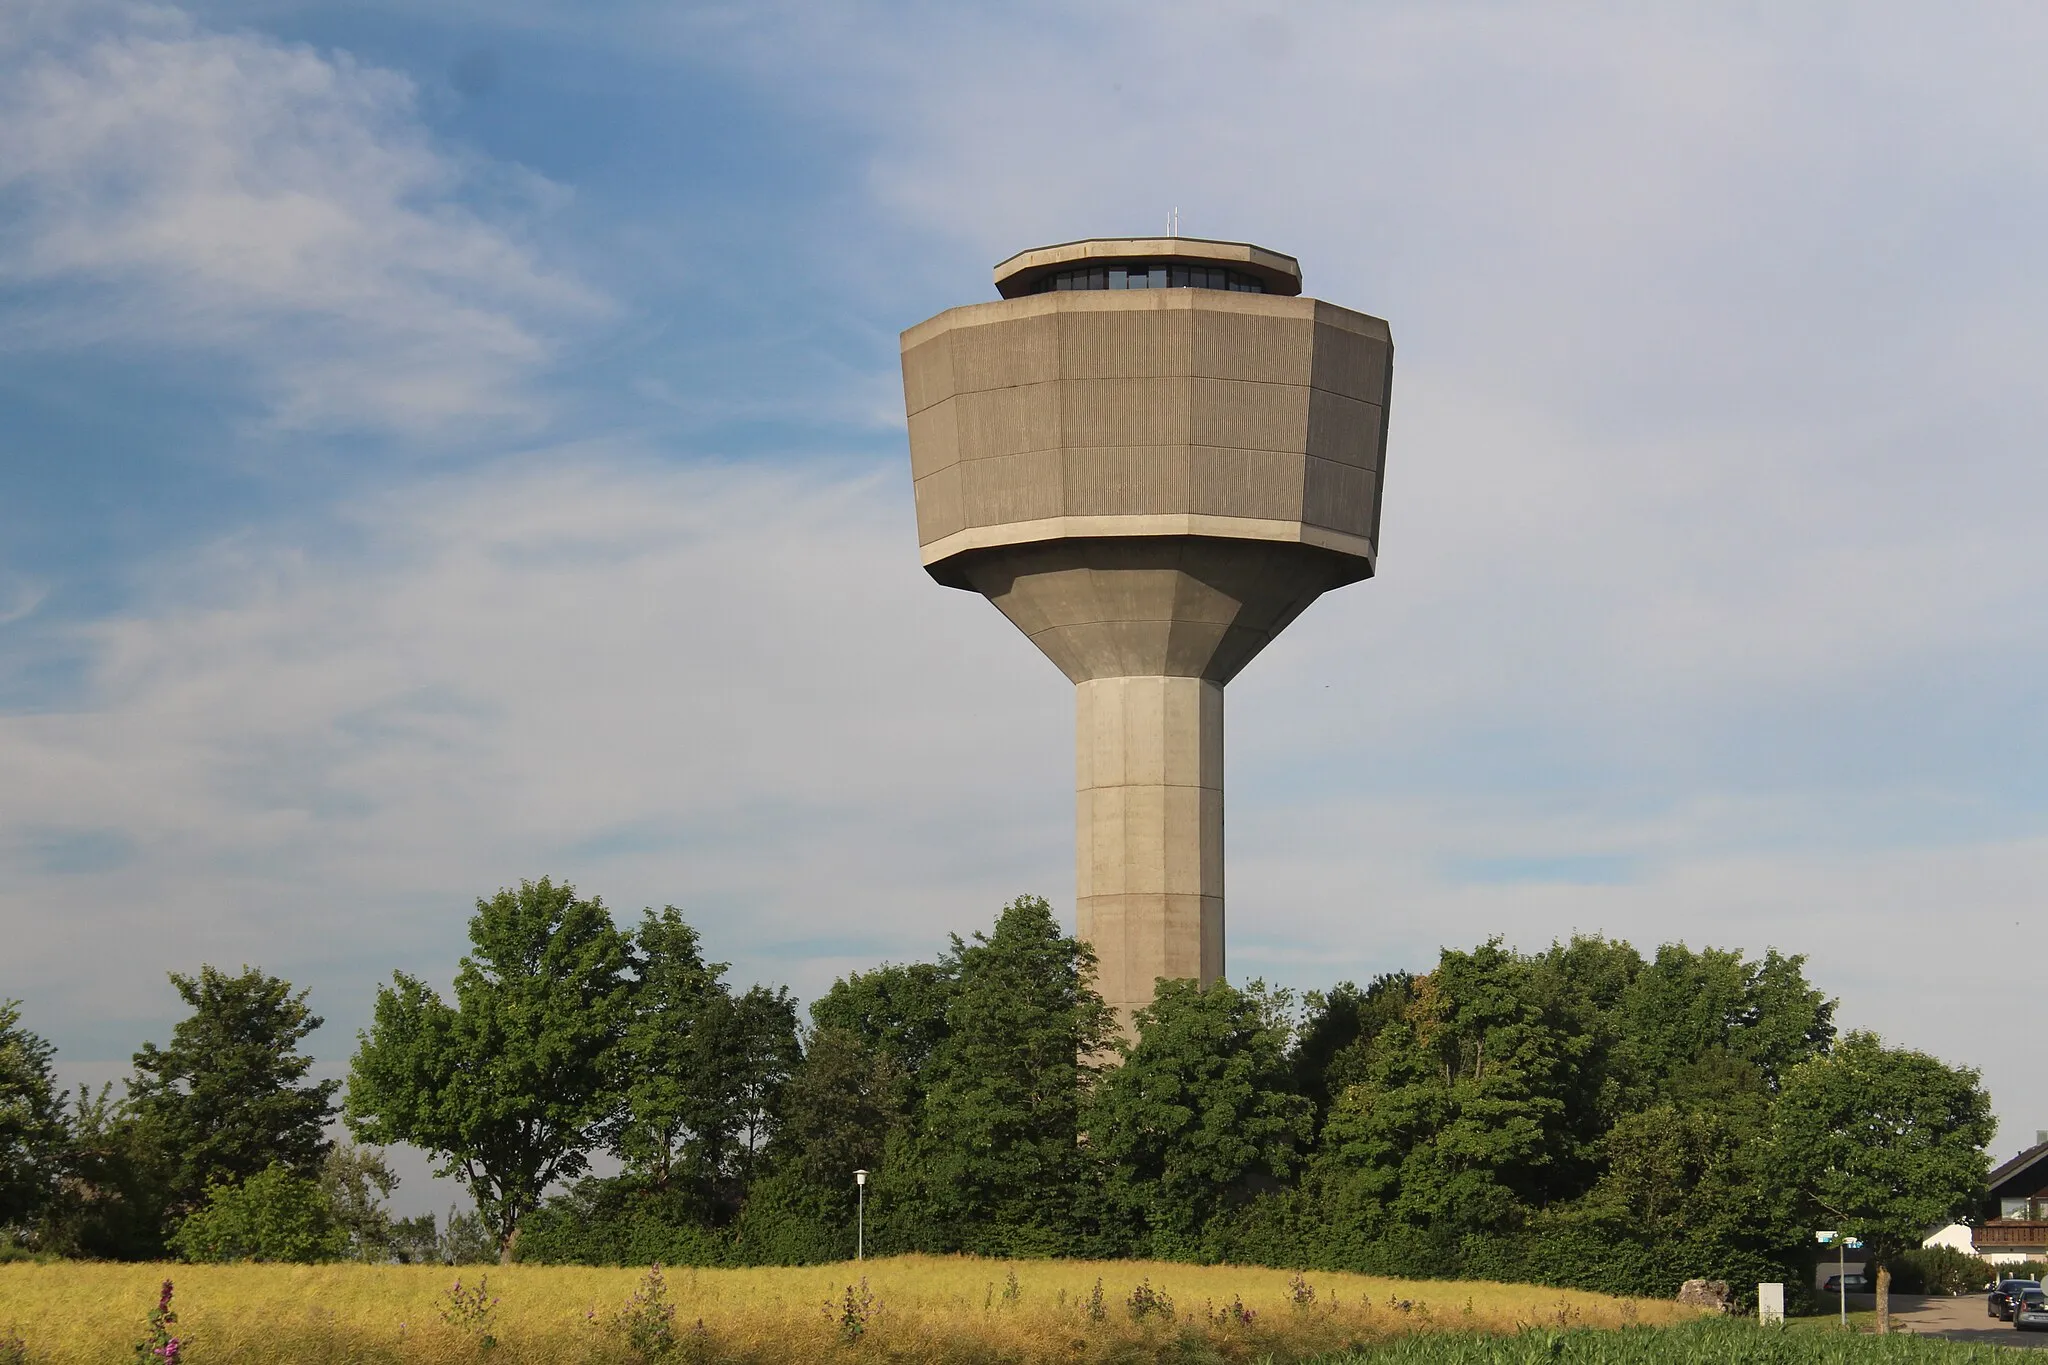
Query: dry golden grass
[[930, 1309]]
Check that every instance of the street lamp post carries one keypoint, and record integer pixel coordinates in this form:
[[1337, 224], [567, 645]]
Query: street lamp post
[[860, 1215]]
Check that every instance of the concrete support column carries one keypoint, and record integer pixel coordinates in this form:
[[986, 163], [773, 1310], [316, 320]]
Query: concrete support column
[[1149, 832]]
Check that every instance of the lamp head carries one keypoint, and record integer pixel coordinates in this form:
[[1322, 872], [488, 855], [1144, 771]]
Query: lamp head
[[860, 1177]]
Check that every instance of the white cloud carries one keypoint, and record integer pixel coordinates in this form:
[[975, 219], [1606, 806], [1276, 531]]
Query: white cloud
[[278, 208], [728, 688]]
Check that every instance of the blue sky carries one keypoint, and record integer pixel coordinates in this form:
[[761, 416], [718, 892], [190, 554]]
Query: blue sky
[[442, 444]]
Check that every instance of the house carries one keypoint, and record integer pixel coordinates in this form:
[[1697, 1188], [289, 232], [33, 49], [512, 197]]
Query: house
[[2013, 1225]]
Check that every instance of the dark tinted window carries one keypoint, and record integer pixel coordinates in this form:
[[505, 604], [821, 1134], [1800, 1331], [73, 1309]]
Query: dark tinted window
[[1145, 275]]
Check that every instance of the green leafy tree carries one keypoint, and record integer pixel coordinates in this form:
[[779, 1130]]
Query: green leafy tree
[[414, 1240], [1333, 1047], [355, 1182], [467, 1239], [1465, 1110], [878, 1031], [275, 1215], [840, 1110], [33, 1132], [662, 1046], [750, 1052], [112, 1201], [1689, 1010], [898, 1011], [1888, 1144], [995, 1164], [1201, 1114], [702, 1069], [509, 1087], [227, 1097]]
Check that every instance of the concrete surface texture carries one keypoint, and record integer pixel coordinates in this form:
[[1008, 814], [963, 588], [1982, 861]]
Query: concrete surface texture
[[1151, 483]]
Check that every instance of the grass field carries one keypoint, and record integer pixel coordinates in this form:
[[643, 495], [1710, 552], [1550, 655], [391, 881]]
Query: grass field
[[939, 1310]]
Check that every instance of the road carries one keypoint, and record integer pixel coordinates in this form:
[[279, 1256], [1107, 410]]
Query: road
[[1954, 1319]]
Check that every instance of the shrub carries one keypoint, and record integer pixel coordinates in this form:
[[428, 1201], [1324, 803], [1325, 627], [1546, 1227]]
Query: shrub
[[1145, 1302], [471, 1311], [275, 1215], [1939, 1270], [853, 1312], [648, 1321]]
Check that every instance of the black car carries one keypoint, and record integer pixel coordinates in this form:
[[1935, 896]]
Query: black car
[[1857, 1284], [2005, 1296]]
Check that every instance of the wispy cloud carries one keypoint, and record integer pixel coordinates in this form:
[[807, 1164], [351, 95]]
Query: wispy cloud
[[728, 688], [278, 208]]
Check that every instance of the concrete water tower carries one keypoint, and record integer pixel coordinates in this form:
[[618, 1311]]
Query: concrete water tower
[[1151, 455]]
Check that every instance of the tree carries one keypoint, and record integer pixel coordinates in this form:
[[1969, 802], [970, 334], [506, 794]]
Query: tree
[[701, 1070], [355, 1181], [1465, 1110], [33, 1131], [750, 1051], [1201, 1113], [1687, 1007], [839, 1111], [899, 1011], [1332, 1048], [112, 1199], [508, 1087], [275, 1215], [1887, 1143], [659, 1056], [995, 1165], [225, 1099]]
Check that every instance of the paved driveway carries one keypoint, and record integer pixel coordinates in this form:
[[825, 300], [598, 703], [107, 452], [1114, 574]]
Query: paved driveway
[[1956, 1319]]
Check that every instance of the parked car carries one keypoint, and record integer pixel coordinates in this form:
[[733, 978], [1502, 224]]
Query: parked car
[[2030, 1310], [1858, 1284], [2004, 1295]]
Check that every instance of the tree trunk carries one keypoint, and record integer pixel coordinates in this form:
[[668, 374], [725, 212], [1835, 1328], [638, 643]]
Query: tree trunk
[[510, 1241], [1884, 1299]]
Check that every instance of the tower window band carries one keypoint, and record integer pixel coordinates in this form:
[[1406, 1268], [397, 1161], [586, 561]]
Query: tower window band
[[1139, 275]]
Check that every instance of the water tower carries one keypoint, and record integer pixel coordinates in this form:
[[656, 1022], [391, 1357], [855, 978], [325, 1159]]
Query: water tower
[[1151, 455]]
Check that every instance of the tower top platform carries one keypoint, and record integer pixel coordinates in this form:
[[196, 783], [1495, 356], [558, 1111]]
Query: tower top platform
[[1244, 267]]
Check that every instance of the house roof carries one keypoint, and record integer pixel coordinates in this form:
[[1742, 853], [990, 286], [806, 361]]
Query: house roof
[[2028, 1169]]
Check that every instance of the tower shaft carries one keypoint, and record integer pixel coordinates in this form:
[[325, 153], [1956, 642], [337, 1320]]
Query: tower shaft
[[1148, 832]]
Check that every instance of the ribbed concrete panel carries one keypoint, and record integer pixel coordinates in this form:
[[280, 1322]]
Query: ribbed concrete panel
[[928, 373], [1124, 412], [1349, 362], [938, 503], [934, 438], [1248, 416], [1011, 487], [1023, 350], [1125, 343], [1338, 496], [1245, 483], [1343, 429], [1008, 421], [1252, 346], [1125, 480]]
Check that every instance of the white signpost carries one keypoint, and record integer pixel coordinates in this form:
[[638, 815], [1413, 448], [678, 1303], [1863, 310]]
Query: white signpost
[[1770, 1304]]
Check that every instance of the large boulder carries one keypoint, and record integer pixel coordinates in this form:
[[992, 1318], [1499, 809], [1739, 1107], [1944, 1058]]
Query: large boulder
[[1704, 1294]]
